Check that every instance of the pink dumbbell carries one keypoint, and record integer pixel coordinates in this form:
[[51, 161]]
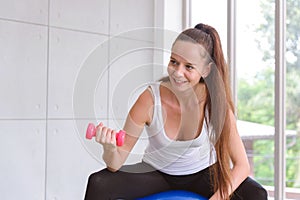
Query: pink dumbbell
[[91, 132]]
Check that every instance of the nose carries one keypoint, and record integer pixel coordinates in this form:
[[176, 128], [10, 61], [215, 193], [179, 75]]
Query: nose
[[179, 70]]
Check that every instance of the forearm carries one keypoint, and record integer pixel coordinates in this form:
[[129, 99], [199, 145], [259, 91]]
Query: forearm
[[238, 175], [113, 158]]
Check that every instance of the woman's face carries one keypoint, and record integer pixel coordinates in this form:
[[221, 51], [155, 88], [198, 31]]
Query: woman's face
[[187, 65]]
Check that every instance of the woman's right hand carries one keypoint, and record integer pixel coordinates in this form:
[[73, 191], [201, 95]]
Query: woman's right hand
[[106, 136]]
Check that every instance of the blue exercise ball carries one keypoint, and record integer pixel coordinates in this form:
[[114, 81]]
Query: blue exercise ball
[[174, 195]]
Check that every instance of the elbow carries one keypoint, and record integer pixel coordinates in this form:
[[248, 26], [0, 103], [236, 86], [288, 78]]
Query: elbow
[[243, 168], [113, 165], [247, 169], [111, 169]]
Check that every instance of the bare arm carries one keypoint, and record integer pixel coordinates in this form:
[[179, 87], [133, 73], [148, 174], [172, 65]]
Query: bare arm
[[139, 115], [241, 168]]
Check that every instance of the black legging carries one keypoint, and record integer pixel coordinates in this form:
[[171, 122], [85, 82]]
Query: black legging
[[139, 180]]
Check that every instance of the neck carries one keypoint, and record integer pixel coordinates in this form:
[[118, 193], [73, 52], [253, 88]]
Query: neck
[[188, 98]]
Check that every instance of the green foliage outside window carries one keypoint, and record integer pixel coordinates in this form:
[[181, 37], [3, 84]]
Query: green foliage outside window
[[256, 97]]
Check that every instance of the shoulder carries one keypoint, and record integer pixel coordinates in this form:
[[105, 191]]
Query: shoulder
[[142, 109], [146, 97]]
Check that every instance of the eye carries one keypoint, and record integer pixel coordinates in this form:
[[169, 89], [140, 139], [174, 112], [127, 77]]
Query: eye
[[173, 62], [189, 67]]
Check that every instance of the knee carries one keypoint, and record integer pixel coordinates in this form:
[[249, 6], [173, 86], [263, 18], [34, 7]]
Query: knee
[[94, 179], [261, 193], [252, 189], [97, 179]]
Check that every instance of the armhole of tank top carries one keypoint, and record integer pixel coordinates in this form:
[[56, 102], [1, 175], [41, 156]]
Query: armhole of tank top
[[154, 89], [150, 89], [155, 92]]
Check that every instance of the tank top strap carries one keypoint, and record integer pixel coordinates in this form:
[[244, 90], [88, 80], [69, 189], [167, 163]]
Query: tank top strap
[[157, 123], [155, 87]]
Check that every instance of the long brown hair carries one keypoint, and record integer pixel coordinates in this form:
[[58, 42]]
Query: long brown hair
[[219, 101]]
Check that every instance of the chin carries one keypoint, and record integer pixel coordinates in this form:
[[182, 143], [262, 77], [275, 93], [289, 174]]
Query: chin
[[181, 86]]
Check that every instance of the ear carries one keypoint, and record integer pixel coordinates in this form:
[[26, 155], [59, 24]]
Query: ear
[[207, 70]]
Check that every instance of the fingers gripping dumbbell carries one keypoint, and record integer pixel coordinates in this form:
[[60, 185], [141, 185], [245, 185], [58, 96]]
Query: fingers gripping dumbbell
[[91, 132]]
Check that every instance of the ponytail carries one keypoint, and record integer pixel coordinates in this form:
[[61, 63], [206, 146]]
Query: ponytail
[[220, 102]]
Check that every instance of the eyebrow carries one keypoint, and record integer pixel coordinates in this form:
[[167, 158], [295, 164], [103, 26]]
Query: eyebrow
[[185, 63]]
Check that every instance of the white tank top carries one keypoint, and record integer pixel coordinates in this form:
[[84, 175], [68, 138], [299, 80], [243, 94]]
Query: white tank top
[[175, 157]]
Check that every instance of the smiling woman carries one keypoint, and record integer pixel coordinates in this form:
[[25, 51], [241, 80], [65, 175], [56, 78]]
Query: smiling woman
[[185, 68], [193, 139]]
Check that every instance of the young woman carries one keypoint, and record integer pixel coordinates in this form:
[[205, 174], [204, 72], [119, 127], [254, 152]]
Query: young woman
[[194, 144]]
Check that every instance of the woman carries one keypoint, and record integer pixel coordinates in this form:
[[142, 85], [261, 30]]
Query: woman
[[193, 139]]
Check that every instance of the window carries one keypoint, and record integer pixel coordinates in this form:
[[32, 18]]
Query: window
[[255, 86], [292, 99], [256, 82], [205, 12]]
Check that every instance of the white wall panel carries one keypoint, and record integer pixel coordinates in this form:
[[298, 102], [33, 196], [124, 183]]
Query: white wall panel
[[70, 159], [81, 15], [22, 153], [130, 15], [71, 68], [35, 11], [76, 63], [23, 70], [131, 67]]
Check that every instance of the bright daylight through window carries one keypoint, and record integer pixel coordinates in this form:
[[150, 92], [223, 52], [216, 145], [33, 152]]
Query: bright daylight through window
[[255, 83]]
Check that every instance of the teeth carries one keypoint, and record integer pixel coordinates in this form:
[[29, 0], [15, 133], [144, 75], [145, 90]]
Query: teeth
[[178, 81]]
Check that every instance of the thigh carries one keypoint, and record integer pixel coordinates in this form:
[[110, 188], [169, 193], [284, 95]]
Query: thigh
[[203, 184], [199, 183], [129, 182], [249, 190]]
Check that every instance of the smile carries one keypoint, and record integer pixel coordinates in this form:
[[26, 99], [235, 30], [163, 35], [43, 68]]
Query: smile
[[179, 81]]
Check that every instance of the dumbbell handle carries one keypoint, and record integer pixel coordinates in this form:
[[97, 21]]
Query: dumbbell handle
[[91, 132]]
